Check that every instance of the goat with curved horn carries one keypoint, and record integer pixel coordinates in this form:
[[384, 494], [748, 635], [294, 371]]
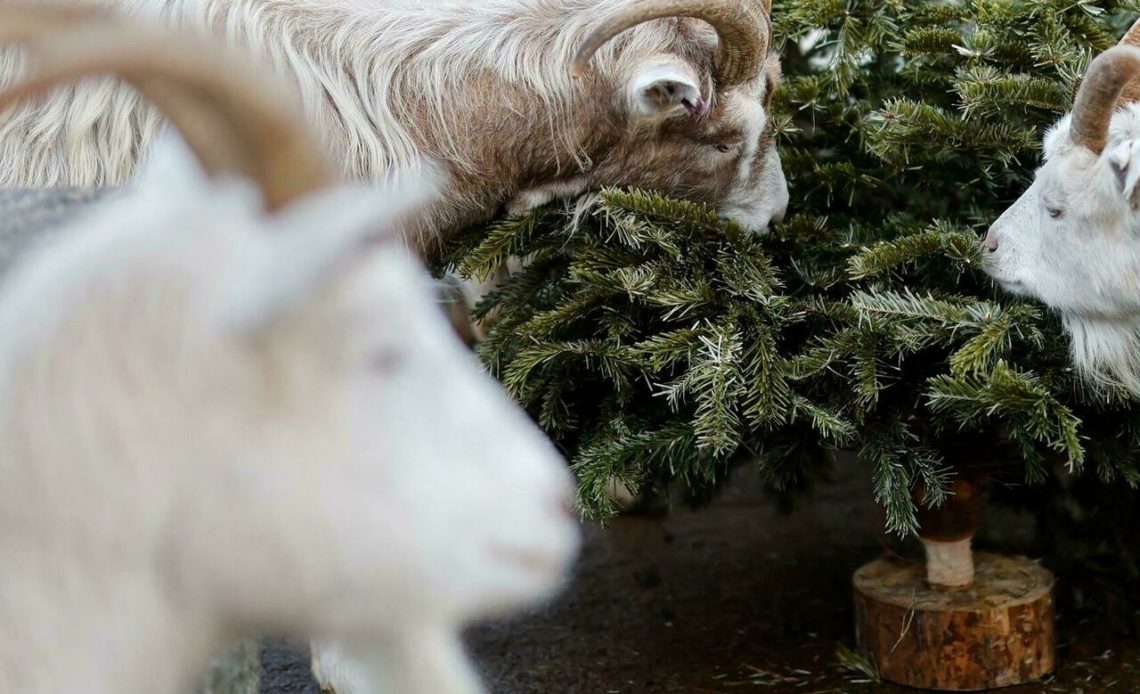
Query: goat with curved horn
[[1070, 240], [389, 85], [743, 33], [289, 396]]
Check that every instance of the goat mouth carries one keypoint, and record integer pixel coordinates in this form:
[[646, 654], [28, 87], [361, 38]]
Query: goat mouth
[[1011, 286], [1123, 318], [698, 108], [530, 561]]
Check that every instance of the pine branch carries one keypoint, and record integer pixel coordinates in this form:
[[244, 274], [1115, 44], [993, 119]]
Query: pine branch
[[656, 342]]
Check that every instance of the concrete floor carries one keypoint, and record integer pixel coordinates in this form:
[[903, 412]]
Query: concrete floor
[[739, 597]]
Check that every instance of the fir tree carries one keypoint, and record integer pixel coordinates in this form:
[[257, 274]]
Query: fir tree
[[655, 342], [647, 337]]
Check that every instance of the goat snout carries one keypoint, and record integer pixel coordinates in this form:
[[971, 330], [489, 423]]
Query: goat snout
[[990, 242]]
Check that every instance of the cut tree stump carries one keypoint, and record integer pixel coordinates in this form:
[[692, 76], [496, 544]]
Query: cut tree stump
[[996, 632]]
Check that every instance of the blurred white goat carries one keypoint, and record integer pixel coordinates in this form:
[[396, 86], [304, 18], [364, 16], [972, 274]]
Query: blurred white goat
[[230, 409], [1073, 239], [483, 91]]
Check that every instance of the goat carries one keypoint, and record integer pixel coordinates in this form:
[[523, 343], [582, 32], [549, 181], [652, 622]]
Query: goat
[[1070, 239], [518, 102], [233, 409]]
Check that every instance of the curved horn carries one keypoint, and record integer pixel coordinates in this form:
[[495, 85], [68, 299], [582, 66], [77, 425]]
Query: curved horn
[[1096, 100], [211, 138], [23, 21], [230, 114], [1132, 91], [742, 29]]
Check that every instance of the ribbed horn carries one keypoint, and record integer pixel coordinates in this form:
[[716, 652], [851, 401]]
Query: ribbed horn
[[741, 25], [23, 21], [236, 118], [1132, 90], [1097, 98]]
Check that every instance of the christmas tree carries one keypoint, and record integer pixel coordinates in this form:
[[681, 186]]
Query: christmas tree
[[656, 343]]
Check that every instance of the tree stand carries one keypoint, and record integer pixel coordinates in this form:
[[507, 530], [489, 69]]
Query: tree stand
[[965, 622]]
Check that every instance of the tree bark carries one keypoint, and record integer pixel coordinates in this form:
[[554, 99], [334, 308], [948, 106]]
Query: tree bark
[[996, 633]]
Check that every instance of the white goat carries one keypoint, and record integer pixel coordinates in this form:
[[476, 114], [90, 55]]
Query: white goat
[[482, 90], [220, 420], [1071, 239]]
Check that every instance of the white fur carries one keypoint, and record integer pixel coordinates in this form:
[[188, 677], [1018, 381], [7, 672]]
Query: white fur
[[756, 203], [1073, 241], [333, 464], [393, 83]]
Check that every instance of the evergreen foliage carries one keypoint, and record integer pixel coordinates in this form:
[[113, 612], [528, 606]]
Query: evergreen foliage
[[655, 342], [647, 337]]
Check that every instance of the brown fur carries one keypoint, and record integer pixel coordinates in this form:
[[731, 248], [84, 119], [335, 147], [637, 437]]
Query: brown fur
[[514, 153]]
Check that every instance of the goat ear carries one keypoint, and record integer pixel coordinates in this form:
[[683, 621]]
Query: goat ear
[[667, 86], [1124, 162], [305, 244]]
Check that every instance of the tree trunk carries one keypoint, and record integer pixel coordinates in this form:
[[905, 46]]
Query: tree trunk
[[996, 633]]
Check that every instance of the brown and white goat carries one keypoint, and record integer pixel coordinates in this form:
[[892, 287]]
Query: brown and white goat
[[517, 101]]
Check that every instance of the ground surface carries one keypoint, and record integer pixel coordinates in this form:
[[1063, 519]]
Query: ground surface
[[739, 598]]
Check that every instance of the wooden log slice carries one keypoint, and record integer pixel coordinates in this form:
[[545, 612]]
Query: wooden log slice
[[996, 633]]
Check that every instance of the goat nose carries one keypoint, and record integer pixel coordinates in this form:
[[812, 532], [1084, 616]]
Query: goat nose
[[990, 243]]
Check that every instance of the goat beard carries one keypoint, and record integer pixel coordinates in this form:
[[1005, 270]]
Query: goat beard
[[1106, 353]]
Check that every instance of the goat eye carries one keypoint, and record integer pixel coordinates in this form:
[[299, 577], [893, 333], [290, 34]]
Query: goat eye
[[1055, 212], [725, 148]]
